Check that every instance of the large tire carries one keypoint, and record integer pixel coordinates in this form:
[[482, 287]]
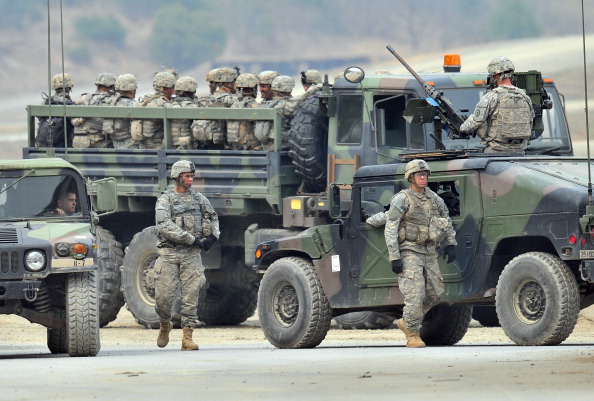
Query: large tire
[[138, 280], [366, 320], [446, 325], [292, 306], [308, 141], [82, 314], [109, 263], [486, 315], [231, 293], [537, 299], [56, 338]]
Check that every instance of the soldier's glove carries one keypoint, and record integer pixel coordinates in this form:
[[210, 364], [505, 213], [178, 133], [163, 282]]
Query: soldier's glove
[[450, 252], [209, 242], [397, 266], [198, 243]]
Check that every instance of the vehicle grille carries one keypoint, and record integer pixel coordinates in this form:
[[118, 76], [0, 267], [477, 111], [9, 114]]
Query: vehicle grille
[[9, 261], [8, 236]]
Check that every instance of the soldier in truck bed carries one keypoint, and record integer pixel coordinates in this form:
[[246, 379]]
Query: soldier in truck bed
[[504, 116]]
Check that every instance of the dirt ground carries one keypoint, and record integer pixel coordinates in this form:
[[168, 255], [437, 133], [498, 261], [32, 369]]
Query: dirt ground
[[124, 331]]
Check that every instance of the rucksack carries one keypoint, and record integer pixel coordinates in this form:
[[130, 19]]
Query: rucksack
[[513, 116]]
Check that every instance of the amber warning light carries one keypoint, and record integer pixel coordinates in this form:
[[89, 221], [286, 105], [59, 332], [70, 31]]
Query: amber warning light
[[451, 63]]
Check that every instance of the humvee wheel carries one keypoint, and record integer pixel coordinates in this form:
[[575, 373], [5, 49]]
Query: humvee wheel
[[366, 320], [537, 299], [82, 314], [109, 262], [56, 338], [446, 325], [292, 306]]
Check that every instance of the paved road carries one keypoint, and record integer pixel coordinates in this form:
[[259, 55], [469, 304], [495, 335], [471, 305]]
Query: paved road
[[333, 371]]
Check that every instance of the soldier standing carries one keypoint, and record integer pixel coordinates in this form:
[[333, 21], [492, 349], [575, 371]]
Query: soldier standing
[[504, 116], [240, 133], [185, 96], [417, 222], [51, 132], [265, 79], [186, 224], [150, 133], [118, 129], [88, 132]]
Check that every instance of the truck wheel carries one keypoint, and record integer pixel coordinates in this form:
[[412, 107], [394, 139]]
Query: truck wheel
[[446, 325], [366, 320], [486, 315], [82, 314], [292, 306], [308, 138], [537, 299], [56, 338], [138, 280], [231, 294], [109, 262]]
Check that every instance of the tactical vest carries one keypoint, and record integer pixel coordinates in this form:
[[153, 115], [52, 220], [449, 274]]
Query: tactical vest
[[240, 133], [181, 130], [50, 132], [117, 128], [149, 132], [92, 125], [186, 215], [213, 131], [512, 118], [422, 222]]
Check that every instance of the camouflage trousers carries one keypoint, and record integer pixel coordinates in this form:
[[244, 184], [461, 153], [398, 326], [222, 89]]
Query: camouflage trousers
[[178, 266], [421, 283], [128, 143]]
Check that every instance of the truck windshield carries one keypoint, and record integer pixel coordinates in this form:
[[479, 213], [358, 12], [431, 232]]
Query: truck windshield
[[555, 133], [38, 196]]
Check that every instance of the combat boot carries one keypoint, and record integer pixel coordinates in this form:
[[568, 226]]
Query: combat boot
[[163, 338], [413, 338], [187, 343]]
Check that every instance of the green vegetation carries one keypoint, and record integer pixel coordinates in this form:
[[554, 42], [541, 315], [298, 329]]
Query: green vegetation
[[100, 28]]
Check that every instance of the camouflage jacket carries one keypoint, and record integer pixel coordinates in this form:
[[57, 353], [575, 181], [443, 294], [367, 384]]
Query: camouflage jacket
[[118, 128], [182, 217], [417, 222]]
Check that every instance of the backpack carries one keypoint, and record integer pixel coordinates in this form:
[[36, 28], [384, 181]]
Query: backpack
[[513, 115]]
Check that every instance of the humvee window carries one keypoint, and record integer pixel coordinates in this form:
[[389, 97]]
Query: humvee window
[[395, 127], [449, 192], [350, 119], [376, 198]]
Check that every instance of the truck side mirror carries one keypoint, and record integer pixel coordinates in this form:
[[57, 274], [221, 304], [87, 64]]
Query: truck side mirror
[[106, 193]]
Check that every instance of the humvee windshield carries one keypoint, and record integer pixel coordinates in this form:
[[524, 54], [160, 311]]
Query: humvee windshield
[[24, 197]]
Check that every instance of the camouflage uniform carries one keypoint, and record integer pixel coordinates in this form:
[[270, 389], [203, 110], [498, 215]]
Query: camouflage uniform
[[503, 117], [88, 132], [181, 130], [240, 133], [181, 218], [416, 224], [51, 133], [118, 129]]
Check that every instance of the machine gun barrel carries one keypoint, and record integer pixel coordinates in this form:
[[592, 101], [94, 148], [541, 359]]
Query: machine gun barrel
[[445, 109]]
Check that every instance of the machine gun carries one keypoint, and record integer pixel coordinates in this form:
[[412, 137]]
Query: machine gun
[[444, 106]]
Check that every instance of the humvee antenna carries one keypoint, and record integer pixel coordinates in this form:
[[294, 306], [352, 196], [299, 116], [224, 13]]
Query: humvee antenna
[[589, 215]]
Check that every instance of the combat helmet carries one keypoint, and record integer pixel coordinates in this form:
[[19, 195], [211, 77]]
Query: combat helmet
[[62, 81], [266, 77], [186, 84], [246, 80], [163, 79], [180, 167], [283, 83], [210, 75], [414, 166], [106, 79], [501, 65], [225, 74], [126, 82], [311, 77]]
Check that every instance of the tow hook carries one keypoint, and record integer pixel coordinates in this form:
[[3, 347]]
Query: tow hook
[[30, 293]]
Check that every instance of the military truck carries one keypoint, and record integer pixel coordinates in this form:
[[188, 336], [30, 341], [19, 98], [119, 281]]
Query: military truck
[[48, 254], [265, 195], [525, 233]]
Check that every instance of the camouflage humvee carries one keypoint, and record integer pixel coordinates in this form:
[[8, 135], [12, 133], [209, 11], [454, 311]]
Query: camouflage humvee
[[262, 195], [525, 244], [48, 270]]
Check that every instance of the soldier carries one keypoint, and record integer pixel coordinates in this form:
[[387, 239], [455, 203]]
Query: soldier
[[118, 129], [309, 78], [212, 134], [210, 78], [149, 133], [504, 116], [240, 133], [265, 79], [51, 132], [186, 224], [88, 132], [281, 88], [181, 130], [417, 222]]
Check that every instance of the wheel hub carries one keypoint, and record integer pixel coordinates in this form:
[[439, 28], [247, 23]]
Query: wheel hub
[[530, 302], [286, 305]]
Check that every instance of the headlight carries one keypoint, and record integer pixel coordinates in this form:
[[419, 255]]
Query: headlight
[[35, 260]]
